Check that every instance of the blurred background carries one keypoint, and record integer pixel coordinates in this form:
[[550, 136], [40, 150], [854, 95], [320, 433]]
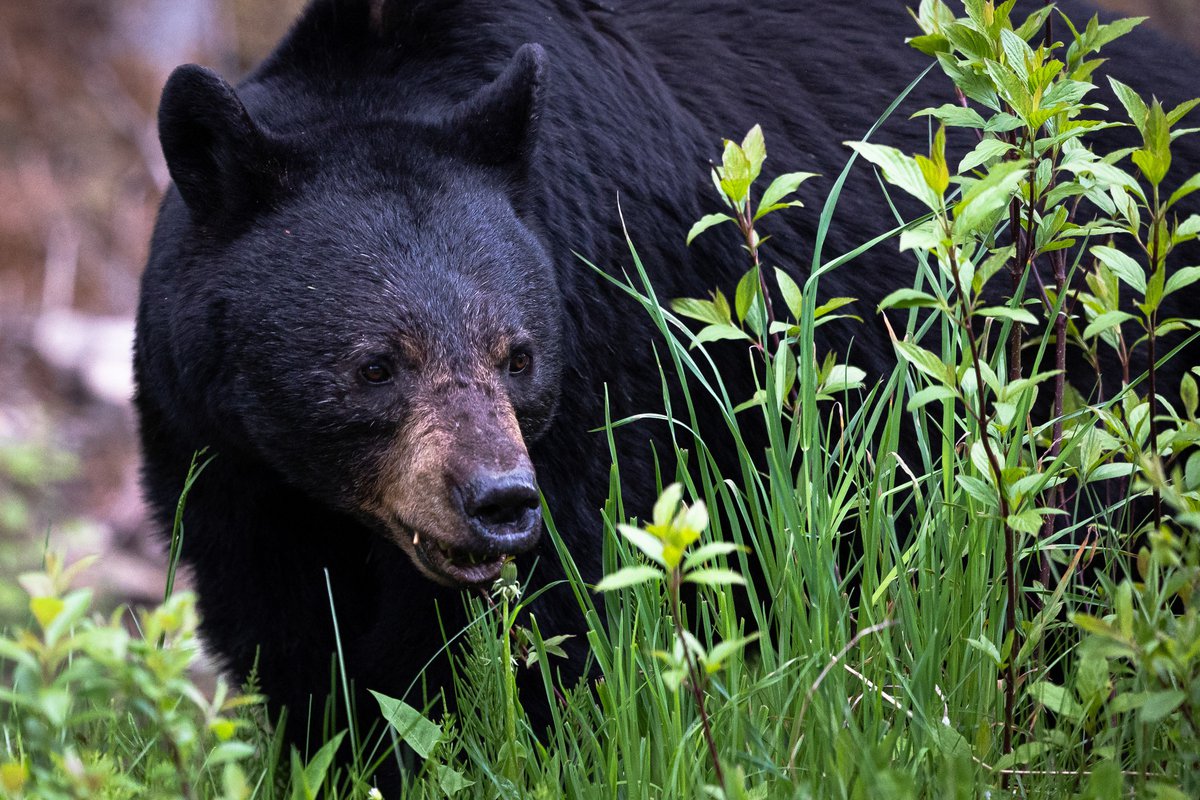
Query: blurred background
[[80, 178], [81, 175]]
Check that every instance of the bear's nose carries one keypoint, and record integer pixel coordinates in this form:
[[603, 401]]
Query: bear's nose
[[502, 509]]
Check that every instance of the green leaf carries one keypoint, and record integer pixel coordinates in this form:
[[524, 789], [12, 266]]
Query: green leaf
[[899, 170], [1180, 111], [1134, 105], [1124, 608], [644, 541], [909, 298], [1189, 395], [721, 652], [981, 491], [1192, 184], [300, 789], [1122, 266], [1027, 521], [695, 517], [987, 150], [764, 210], [1189, 227], [833, 304], [1181, 278], [926, 362], [72, 610], [710, 551], [785, 372], [410, 724], [953, 115], [1094, 625], [985, 199], [1116, 469], [793, 297], [629, 576], [714, 576], [666, 505], [841, 378], [1107, 320], [1153, 164], [934, 169], [929, 394], [1012, 88], [757, 399], [780, 188], [695, 308], [706, 222], [747, 288], [927, 235], [986, 647], [1021, 315], [317, 768], [1114, 30], [714, 333], [968, 40], [1033, 23], [45, 609], [735, 173], [755, 149], [930, 44], [1058, 699], [1003, 123], [452, 781], [1018, 55], [227, 752], [1154, 159], [1159, 704], [54, 703]]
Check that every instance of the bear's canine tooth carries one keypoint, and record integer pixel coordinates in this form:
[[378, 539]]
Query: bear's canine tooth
[[416, 538]]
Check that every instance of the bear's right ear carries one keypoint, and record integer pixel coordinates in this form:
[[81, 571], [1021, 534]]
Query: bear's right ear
[[221, 161], [498, 125]]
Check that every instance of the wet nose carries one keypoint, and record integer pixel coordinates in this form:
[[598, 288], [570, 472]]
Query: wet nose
[[502, 509]]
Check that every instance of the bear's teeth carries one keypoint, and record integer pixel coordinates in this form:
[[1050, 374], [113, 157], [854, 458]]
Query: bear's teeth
[[416, 539]]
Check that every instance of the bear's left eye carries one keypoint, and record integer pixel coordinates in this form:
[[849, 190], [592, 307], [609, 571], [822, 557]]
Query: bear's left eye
[[518, 362], [375, 372]]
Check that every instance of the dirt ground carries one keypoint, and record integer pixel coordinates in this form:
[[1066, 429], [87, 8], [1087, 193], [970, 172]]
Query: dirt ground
[[80, 177]]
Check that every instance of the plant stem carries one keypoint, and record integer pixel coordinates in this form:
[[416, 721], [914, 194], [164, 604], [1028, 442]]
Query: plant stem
[[510, 699], [745, 223], [1156, 257], [1010, 543], [1057, 497], [694, 678]]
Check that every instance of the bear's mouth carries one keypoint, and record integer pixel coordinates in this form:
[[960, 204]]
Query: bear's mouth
[[457, 566]]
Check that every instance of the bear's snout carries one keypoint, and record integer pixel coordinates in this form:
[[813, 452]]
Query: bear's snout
[[501, 508], [458, 490]]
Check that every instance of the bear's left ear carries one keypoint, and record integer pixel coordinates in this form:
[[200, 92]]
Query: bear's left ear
[[498, 125]]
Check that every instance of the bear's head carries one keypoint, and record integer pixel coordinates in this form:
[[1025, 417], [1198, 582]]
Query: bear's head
[[382, 324]]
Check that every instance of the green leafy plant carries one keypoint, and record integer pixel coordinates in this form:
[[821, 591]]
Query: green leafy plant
[[667, 541], [93, 711]]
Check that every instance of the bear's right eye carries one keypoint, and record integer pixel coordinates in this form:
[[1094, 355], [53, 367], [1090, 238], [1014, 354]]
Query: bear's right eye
[[375, 372]]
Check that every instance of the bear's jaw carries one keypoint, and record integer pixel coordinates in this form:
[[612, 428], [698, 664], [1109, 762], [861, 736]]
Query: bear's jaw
[[453, 566]]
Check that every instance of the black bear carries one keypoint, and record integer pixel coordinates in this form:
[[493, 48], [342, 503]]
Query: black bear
[[363, 294]]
